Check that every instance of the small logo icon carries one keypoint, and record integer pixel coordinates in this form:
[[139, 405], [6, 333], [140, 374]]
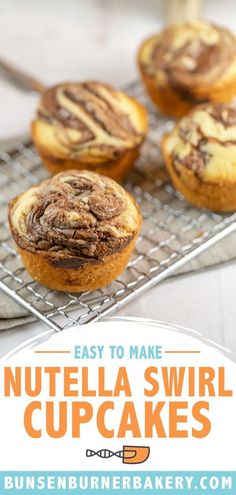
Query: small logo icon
[[130, 454]]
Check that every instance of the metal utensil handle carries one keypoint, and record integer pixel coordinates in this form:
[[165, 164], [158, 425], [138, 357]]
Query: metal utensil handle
[[20, 79]]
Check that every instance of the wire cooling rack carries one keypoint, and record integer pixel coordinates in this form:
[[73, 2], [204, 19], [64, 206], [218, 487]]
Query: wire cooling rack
[[173, 233]]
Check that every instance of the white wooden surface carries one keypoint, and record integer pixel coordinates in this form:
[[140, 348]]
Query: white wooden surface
[[76, 39]]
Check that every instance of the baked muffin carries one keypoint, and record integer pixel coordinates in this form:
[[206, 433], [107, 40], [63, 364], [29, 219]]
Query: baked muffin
[[188, 64], [75, 231], [89, 126], [200, 154]]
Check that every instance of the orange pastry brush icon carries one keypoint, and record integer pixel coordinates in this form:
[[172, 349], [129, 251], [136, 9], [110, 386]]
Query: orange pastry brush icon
[[130, 454]]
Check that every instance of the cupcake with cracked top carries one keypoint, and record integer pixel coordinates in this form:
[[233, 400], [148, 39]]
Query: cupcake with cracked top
[[89, 125], [200, 155], [75, 231], [187, 64]]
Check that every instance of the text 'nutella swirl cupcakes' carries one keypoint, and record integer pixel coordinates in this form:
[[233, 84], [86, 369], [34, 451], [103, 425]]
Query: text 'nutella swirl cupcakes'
[[76, 231], [200, 154], [89, 126], [188, 64]]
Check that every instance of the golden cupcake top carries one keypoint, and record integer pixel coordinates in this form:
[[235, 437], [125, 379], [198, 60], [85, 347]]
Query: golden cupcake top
[[189, 54], [204, 141], [74, 217], [90, 119]]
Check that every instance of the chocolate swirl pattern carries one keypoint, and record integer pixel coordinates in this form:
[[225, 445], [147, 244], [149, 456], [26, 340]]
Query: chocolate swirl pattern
[[200, 156], [90, 121], [205, 143], [75, 218], [190, 55], [189, 64]]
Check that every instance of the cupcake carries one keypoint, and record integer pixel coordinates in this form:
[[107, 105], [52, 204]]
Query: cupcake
[[188, 64], [75, 231], [200, 155], [89, 126]]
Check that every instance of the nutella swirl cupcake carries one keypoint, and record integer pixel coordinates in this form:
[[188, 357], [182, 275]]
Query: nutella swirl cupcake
[[200, 154], [90, 126], [76, 231], [187, 64]]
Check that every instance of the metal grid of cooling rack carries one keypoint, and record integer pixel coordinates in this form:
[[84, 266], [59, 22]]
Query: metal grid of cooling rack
[[173, 233]]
